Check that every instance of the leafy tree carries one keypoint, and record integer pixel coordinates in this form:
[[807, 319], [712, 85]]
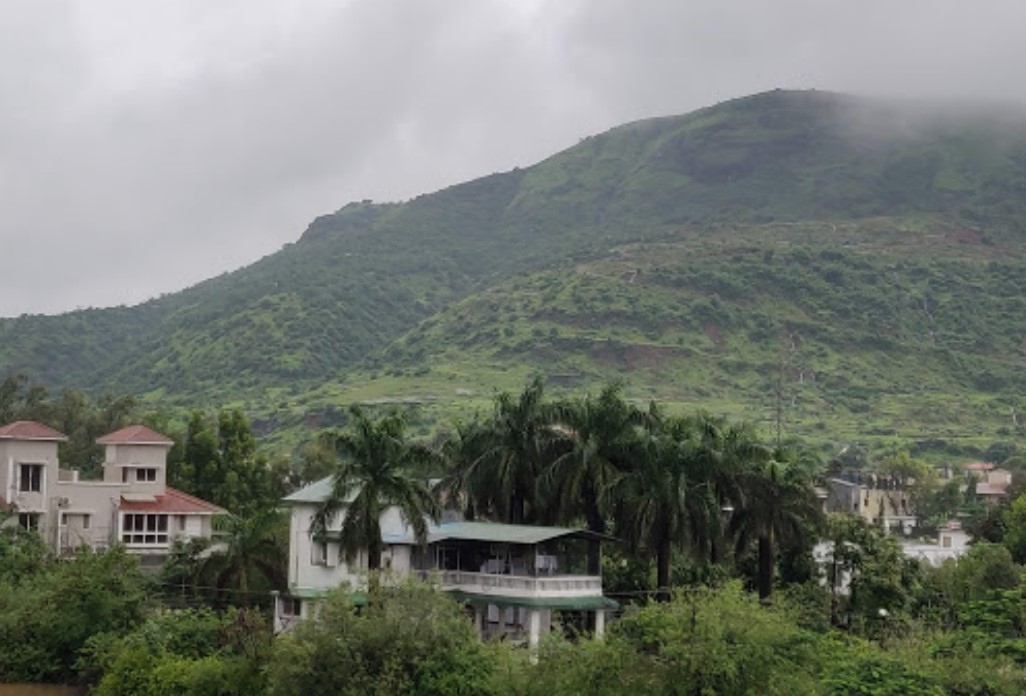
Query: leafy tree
[[220, 463], [881, 579], [372, 474], [187, 651], [983, 570], [23, 553], [46, 622], [408, 640], [1014, 523], [19, 400], [720, 641]]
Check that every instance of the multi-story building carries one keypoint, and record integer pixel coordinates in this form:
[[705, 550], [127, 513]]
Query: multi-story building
[[132, 504], [514, 579]]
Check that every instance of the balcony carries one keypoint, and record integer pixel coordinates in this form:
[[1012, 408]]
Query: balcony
[[516, 586]]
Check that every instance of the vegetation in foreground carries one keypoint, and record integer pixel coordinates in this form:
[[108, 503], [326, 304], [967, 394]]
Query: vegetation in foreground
[[715, 602]]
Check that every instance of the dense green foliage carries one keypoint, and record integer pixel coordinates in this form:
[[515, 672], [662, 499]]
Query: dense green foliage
[[49, 609], [409, 639], [851, 263], [220, 463]]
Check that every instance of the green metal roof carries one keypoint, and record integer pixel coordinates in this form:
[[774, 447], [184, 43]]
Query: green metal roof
[[494, 533], [315, 493], [359, 599], [587, 603], [498, 533]]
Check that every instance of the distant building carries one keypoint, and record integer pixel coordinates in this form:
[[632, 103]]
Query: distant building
[[132, 504], [514, 579], [952, 542], [990, 482], [874, 499]]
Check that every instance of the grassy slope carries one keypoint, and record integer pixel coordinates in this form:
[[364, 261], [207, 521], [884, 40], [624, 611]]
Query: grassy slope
[[878, 183], [901, 333]]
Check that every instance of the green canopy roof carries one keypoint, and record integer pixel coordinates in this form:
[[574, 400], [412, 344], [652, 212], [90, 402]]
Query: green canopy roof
[[586, 603], [316, 492], [495, 533]]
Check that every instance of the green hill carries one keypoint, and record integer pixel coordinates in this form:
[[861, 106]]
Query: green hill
[[868, 251]]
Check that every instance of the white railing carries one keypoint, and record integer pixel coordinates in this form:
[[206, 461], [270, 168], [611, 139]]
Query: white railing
[[515, 585]]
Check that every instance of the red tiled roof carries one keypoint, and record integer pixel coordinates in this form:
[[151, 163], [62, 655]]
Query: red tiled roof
[[173, 501], [30, 430], [135, 435], [979, 466]]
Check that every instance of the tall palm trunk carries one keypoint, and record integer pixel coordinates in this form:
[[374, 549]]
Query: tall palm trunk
[[517, 510], [766, 565], [663, 556], [596, 523], [373, 565]]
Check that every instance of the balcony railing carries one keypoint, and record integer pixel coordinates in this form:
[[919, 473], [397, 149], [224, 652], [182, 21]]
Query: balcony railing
[[515, 585]]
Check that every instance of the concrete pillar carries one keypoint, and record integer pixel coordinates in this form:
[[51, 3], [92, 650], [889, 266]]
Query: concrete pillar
[[479, 621], [533, 628], [276, 624], [600, 623], [501, 626]]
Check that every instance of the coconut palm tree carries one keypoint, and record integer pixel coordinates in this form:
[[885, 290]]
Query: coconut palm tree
[[249, 558], [601, 437], [372, 475], [510, 452], [777, 504], [657, 505]]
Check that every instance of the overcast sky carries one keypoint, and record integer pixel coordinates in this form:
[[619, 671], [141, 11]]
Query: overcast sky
[[147, 145]]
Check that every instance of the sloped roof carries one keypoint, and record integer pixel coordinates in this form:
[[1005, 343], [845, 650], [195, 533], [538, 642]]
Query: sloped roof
[[30, 430], [991, 488], [496, 533], [316, 492], [173, 501], [135, 435]]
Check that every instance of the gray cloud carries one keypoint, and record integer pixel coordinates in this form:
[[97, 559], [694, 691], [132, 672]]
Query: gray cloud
[[146, 146]]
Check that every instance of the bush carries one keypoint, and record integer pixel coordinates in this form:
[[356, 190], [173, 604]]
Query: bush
[[407, 640]]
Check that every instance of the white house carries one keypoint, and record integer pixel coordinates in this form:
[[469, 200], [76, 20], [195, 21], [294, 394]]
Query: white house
[[511, 577], [132, 504]]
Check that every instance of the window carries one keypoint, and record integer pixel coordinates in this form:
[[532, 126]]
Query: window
[[29, 520], [319, 553], [124, 475], [68, 519], [31, 480], [144, 529], [181, 523], [291, 606], [146, 475]]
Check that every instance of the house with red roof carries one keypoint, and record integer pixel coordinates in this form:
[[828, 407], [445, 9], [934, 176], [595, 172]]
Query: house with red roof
[[131, 505]]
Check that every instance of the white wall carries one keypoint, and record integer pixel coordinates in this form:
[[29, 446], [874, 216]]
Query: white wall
[[13, 453], [97, 499], [306, 569], [135, 457]]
